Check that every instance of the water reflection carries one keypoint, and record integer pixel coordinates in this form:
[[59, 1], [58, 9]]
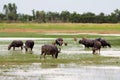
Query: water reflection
[[38, 71]]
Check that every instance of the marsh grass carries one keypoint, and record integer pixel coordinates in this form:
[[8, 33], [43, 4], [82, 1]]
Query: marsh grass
[[82, 59]]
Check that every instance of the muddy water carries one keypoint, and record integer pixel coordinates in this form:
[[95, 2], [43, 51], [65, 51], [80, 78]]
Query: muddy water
[[37, 71]]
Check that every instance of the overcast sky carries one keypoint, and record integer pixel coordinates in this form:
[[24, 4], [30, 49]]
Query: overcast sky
[[79, 6]]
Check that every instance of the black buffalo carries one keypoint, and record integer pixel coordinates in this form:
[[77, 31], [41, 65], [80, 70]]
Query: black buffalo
[[96, 46], [87, 42], [104, 43], [16, 43], [49, 50], [29, 44], [59, 41]]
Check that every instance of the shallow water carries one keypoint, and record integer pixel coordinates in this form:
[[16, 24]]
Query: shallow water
[[60, 72], [72, 48]]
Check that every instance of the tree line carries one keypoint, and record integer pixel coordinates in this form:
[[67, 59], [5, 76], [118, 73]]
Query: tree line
[[10, 14]]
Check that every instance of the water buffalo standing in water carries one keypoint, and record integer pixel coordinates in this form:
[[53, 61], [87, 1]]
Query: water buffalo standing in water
[[16, 43], [29, 44], [86, 42], [104, 43], [59, 41], [96, 46], [49, 50]]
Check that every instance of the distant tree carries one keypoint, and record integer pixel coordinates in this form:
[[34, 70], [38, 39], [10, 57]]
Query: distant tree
[[52, 17], [88, 17], [34, 15], [40, 16], [2, 16], [117, 14], [75, 18], [10, 11], [5, 9], [112, 18], [65, 16], [101, 18]]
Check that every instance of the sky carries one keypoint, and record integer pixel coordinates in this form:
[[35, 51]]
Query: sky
[[79, 6]]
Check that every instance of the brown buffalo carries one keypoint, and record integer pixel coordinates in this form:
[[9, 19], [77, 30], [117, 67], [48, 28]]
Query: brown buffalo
[[29, 44], [59, 41], [96, 46], [16, 43], [49, 50]]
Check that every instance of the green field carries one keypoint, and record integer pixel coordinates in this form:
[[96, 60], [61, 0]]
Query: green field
[[40, 30], [60, 26]]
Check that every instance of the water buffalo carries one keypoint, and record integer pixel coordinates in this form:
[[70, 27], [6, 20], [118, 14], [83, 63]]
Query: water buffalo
[[49, 50], [104, 43], [29, 44], [96, 46], [86, 42], [16, 43], [59, 41]]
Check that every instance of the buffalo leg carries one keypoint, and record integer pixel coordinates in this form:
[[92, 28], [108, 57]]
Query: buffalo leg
[[99, 51], [93, 50], [26, 49], [13, 48], [41, 54], [52, 56], [56, 55], [44, 55], [21, 48], [31, 49]]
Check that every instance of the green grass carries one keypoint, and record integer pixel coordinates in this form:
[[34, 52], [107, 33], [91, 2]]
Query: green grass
[[83, 59], [60, 26]]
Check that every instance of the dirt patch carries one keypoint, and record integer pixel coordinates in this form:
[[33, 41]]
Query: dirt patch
[[60, 31]]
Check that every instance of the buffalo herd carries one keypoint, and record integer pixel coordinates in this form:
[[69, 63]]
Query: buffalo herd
[[95, 44], [53, 50]]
